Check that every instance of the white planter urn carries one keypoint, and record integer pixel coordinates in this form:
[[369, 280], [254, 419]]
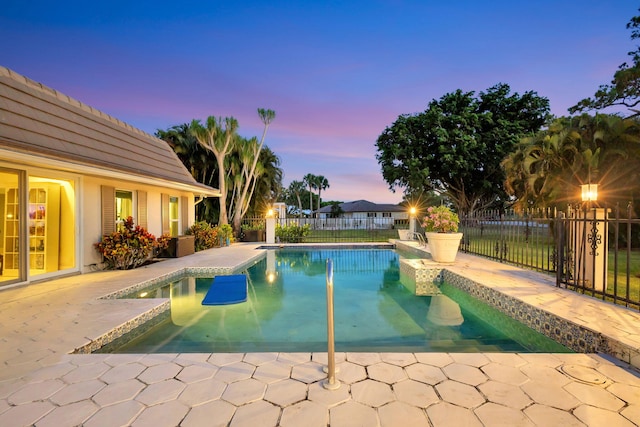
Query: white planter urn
[[444, 246], [404, 234]]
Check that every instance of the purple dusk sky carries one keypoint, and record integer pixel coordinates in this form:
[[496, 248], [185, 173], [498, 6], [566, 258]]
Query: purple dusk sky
[[337, 73]]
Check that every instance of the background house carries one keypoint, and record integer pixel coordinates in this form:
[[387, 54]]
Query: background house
[[363, 214], [70, 173]]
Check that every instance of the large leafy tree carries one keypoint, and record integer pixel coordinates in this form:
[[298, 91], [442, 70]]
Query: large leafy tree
[[456, 145], [546, 169], [624, 89]]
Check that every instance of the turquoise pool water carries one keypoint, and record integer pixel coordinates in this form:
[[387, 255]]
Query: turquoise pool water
[[374, 311]]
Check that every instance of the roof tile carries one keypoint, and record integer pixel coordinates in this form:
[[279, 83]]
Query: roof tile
[[39, 119]]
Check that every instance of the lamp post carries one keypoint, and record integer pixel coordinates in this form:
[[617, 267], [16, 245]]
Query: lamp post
[[593, 229], [412, 221], [271, 227]]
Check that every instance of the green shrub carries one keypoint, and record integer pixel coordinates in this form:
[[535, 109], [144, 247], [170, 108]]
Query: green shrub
[[205, 236], [225, 231], [292, 233], [129, 247], [259, 225]]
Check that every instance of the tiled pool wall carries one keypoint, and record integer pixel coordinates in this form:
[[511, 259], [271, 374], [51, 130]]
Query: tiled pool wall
[[135, 327], [181, 272], [421, 276], [428, 275], [177, 274], [158, 314], [140, 324]]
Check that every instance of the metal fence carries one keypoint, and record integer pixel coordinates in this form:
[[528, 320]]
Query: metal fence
[[523, 239], [593, 251], [601, 253], [333, 230], [596, 252]]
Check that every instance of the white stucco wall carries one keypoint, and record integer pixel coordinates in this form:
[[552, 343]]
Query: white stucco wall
[[91, 213]]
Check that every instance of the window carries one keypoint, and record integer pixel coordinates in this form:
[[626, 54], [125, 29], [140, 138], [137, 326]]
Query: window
[[173, 216], [386, 214], [371, 215], [124, 206]]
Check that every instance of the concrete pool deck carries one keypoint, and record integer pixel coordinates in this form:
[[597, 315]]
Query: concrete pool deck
[[42, 384]]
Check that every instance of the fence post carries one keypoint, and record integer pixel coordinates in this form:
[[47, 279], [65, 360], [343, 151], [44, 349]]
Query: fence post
[[271, 228], [592, 248], [560, 247]]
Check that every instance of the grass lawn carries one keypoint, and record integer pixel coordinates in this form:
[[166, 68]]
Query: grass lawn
[[634, 274], [538, 250], [356, 236]]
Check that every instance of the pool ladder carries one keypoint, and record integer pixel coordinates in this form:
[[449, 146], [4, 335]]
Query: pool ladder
[[331, 383]]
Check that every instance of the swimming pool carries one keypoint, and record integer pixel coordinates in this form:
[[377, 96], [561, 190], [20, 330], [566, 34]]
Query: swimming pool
[[286, 312]]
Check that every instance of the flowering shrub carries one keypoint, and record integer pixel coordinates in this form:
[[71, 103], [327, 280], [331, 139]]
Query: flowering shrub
[[205, 236], [129, 247], [292, 233], [440, 219]]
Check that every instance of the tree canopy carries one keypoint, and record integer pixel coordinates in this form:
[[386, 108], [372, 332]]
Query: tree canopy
[[547, 169], [456, 145], [624, 89]]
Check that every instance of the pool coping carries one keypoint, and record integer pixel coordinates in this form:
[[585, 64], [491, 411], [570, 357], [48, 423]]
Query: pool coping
[[576, 336], [581, 337]]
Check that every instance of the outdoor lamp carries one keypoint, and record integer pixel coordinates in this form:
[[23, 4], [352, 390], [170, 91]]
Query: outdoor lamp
[[270, 213], [589, 192], [412, 211]]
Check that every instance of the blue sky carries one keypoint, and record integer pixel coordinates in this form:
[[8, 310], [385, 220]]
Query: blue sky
[[337, 73]]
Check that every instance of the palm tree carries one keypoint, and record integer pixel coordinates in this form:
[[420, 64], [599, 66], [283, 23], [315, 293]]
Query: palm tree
[[199, 161], [310, 180], [217, 136], [296, 188], [321, 184], [547, 168]]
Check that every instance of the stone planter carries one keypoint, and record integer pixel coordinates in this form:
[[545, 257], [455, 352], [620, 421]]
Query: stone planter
[[444, 246], [253, 236], [179, 246]]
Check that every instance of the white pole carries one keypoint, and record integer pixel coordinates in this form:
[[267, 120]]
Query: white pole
[[331, 383]]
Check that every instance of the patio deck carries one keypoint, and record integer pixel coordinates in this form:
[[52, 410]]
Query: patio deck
[[42, 384]]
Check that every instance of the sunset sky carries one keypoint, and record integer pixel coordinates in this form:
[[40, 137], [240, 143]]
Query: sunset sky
[[337, 73]]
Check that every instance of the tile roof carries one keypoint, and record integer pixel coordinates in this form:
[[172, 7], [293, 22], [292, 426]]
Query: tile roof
[[35, 119]]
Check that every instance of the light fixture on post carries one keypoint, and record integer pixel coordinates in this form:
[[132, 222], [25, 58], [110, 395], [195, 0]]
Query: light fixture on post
[[412, 222], [270, 226], [589, 192], [591, 246]]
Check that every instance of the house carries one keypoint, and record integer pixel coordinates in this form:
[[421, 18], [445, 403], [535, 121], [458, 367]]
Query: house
[[70, 173], [363, 214]]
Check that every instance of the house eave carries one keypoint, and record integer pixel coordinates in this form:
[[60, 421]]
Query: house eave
[[96, 171]]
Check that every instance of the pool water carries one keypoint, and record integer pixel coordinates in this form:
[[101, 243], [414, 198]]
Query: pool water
[[374, 311]]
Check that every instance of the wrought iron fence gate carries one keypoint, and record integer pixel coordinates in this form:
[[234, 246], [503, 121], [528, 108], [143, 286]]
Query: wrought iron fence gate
[[591, 250]]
